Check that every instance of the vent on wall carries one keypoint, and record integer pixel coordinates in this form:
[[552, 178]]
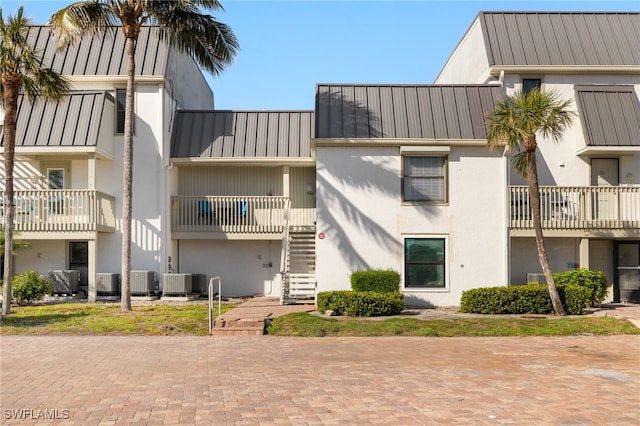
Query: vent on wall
[[536, 278]]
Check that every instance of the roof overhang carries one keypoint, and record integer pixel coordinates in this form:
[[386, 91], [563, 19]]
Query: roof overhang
[[345, 142], [564, 69], [63, 151], [237, 161], [595, 151], [114, 79]]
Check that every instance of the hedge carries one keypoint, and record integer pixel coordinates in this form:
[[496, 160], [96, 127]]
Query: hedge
[[526, 299], [360, 303], [28, 287], [380, 281], [593, 282]]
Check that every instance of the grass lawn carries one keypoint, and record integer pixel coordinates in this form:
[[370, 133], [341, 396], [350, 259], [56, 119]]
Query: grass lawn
[[106, 319], [192, 319], [305, 324]]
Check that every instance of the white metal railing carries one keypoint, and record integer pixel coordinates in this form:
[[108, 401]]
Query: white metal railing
[[284, 252], [63, 210], [211, 281], [577, 207], [229, 214]]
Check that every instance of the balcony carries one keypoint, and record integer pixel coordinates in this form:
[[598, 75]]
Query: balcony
[[234, 217], [594, 210], [75, 211]]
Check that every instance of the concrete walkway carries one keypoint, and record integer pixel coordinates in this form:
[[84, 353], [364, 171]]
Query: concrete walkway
[[133, 380]]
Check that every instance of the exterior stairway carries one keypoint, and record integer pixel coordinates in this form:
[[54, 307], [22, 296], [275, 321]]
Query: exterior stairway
[[299, 278]]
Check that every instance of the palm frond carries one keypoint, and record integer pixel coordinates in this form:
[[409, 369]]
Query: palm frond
[[20, 60], [211, 43], [83, 17]]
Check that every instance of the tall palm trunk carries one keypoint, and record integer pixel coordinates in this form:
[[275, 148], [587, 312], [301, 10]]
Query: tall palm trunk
[[534, 198], [127, 177], [11, 91]]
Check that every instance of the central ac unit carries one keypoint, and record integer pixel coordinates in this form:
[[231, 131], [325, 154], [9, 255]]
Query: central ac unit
[[534, 277]]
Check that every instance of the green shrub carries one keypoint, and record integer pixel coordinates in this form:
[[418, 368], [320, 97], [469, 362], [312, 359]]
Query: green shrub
[[28, 287], [526, 299], [574, 298], [593, 282], [381, 281], [361, 303]]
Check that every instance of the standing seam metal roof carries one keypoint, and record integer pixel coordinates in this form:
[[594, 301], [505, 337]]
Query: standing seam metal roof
[[242, 134], [102, 54], [610, 115], [404, 111], [74, 121], [562, 38]]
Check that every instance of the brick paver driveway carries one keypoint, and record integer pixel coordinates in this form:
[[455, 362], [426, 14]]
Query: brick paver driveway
[[273, 380]]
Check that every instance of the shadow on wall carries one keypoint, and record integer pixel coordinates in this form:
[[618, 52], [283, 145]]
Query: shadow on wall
[[339, 116]]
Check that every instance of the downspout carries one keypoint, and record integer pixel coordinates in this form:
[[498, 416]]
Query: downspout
[[165, 224], [507, 219]]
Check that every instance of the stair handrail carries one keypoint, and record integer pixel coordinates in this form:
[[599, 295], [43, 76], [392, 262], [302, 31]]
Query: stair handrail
[[211, 301], [284, 251]]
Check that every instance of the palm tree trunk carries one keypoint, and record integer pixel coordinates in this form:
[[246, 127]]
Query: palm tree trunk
[[534, 198], [127, 178], [11, 91]]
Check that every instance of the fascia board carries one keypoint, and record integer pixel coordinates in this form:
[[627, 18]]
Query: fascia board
[[564, 69], [258, 161], [397, 142]]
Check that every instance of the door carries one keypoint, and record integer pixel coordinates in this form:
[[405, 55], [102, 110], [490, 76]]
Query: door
[[601, 259], [79, 260], [627, 284], [604, 172]]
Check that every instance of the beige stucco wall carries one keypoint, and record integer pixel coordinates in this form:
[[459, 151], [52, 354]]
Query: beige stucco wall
[[242, 265]]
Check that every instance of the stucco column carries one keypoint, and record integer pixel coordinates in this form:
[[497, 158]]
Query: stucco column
[[92, 269], [584, 253], [286, 192], [91, 171]]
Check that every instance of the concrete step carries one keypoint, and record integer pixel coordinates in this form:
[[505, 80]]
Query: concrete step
[[238, 327]]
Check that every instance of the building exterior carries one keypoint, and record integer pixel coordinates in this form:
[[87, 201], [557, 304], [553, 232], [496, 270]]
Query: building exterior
[[591, 179], [68, 175], [290, 203]]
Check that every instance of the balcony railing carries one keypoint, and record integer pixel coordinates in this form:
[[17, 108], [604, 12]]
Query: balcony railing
[[235, 214], [578, 207], [52, 210]]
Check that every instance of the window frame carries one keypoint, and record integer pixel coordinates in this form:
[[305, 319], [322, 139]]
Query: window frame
[[445, 178], [445, 263]]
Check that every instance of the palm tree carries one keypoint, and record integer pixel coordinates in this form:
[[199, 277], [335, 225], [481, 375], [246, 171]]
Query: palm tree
[[21, 72], [209, 42], [515, 122]]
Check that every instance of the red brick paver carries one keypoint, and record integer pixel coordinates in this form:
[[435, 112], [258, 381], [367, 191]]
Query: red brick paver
[[276, 380]]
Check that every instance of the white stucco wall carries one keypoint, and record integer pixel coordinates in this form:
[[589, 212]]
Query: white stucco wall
[[360, 212], [242, 265], [558, 163], [468, 62]]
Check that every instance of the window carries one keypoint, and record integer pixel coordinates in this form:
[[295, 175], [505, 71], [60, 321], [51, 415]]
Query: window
[[121, 102], [425, 179], [121, 97], [424, 263], [528, 84], [55, 178]]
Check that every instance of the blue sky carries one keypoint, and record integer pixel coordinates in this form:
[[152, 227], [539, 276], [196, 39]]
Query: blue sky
[[288, 46]]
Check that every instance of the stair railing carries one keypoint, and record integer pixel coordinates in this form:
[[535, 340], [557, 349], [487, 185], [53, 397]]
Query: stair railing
[[211, 281], [284, 252]]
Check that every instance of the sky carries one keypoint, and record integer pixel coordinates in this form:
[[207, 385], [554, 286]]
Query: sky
[[288, 46]]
